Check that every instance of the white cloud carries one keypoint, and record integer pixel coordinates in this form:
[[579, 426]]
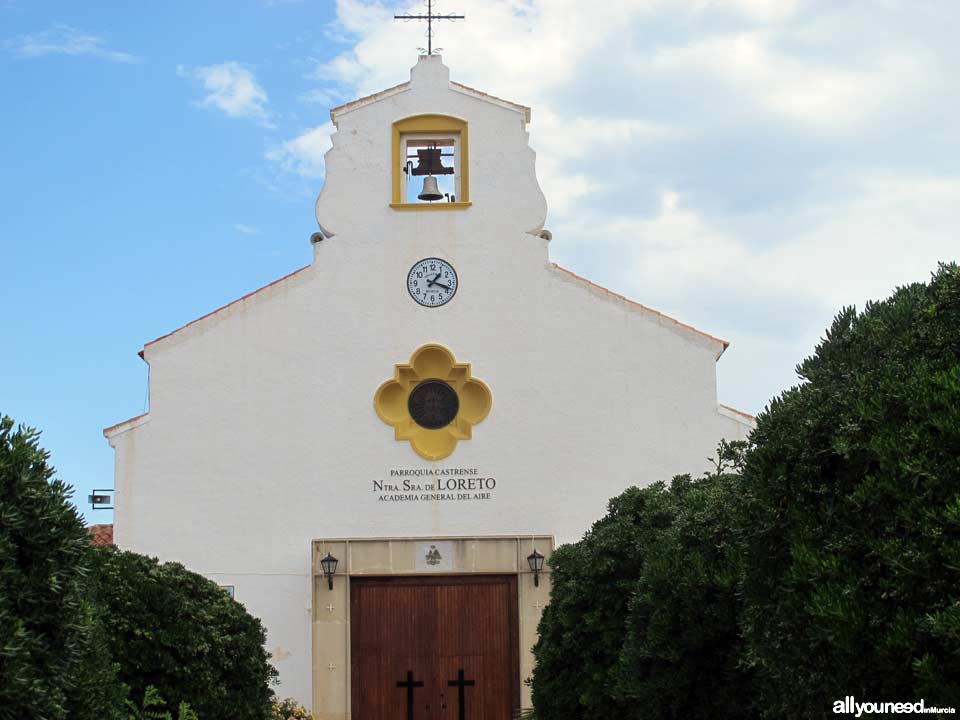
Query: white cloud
[[526, 45], [775, 300], [758, 10], [321, 96], [573, 137], [564, 139], [303, 155], [747, 165], [772, 295], [62, 39], [886, 230], [813, 92], [245, 229], [231, 88]]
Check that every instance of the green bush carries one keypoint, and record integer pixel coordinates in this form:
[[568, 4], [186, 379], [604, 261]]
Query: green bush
[[48, 644], [581, 630], [681, 652], [153, 708], [642, 621], [837, 552], [852, 524], [82, 626], [98, 693], [175, 630]]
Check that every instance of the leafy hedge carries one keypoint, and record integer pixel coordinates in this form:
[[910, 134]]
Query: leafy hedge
[[852, 529], [83, 627], [44, 621], [175, 630], [829, 567], [642, 621]]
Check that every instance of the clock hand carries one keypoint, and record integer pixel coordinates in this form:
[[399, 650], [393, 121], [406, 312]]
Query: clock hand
[[431, 283], [445, 287]]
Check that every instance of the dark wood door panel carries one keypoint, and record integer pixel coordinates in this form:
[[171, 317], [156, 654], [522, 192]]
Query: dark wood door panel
[[434, 628]]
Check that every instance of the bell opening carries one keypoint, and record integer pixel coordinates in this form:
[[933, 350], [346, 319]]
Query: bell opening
[[435, 158]]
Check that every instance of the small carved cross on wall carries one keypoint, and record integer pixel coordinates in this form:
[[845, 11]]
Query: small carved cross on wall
[[331, 607], [539, 605], [331, 666]]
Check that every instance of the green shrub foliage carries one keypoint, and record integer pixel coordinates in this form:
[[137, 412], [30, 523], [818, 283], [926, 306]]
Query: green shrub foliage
[[153, 708], [98, 693], [836, 552], [642, 621], [175, 630], [852, 525], [45, 624], [682, 648]]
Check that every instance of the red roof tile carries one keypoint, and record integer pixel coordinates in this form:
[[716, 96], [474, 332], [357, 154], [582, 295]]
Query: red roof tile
[[219, 309], [739, 412], [725, 343], [101, 534]]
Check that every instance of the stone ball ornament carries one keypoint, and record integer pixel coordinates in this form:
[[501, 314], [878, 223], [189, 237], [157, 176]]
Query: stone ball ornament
[[432, 402]]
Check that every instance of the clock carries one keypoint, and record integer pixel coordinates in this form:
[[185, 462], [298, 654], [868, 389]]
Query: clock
[[432, 282]]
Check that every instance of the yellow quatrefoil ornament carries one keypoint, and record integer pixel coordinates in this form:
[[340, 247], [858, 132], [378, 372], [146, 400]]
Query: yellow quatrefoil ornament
[[432, 401]]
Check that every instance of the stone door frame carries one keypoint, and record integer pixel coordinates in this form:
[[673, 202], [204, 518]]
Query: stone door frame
[[412, 556]]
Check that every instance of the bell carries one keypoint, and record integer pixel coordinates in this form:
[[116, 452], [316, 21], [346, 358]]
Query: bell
[[430, 190], [429, 163]]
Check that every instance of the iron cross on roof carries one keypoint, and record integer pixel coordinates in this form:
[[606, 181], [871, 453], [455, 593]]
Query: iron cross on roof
[[429, 17]]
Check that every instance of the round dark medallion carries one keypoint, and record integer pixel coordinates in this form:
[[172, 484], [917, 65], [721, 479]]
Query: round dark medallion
[[433, 404]]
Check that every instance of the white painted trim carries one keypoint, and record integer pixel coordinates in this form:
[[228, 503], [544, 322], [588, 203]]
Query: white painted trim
[[125, 426]]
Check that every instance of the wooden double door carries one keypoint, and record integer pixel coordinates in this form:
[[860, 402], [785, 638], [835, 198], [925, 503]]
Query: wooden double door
[[434, 648]]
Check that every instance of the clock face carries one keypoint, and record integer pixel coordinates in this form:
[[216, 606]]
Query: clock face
[[432, 282]]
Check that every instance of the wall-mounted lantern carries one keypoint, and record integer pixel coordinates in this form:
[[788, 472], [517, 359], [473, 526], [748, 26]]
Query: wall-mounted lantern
[[535, 559], [329, 565], [100, 499]]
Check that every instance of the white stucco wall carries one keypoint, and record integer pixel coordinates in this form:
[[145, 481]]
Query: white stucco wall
[[262, 433]]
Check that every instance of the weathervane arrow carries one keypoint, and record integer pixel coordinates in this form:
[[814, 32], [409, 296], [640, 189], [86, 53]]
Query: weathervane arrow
[[429, 17]]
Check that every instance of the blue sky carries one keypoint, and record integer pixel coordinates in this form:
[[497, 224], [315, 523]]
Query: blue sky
[[747, 166]]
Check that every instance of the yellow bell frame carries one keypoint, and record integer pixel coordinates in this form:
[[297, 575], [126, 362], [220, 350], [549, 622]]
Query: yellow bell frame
[[440, 124]]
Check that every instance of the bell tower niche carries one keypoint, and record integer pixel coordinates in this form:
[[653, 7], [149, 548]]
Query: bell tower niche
[[427, 156], [431, 164]]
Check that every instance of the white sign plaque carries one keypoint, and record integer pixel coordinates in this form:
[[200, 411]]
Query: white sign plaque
[[428, 484]]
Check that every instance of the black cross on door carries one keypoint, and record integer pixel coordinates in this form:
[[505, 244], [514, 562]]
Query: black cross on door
[[410, 684], [460, 684]]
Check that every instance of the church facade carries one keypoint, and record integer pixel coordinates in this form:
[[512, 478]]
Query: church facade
[[431, 403]]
